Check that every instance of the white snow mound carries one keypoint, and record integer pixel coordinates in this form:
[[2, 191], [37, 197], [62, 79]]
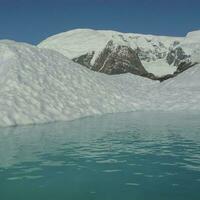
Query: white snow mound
[[39, 85]]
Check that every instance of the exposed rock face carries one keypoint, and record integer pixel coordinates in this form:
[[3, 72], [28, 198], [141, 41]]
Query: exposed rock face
[[177, 56], [85, 60], [121, 60], [115, 59]]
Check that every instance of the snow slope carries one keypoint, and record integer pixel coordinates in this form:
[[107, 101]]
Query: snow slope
[[153, 49], [191, 42], [77, 42], [181, 92], [40, 85], [159, 67]]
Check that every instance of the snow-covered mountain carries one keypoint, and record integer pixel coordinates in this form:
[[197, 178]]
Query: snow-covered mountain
[[93, 49], [40, 85]]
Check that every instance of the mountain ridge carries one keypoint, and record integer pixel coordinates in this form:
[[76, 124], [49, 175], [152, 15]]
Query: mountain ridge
[[158, 54]]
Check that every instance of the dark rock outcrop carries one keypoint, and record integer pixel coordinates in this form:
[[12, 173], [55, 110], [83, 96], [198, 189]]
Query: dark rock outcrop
[[85, 60], [115, 59], [119, 59], [177, 56]]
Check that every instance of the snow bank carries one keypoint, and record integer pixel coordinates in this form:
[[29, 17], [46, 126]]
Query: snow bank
[[39, 85]]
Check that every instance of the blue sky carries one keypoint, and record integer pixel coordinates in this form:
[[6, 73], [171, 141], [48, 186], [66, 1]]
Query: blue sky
[[34, 20]]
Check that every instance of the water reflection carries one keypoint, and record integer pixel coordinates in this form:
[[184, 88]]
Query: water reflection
[[132, 149]]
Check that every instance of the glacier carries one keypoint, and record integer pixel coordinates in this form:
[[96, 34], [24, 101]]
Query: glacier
[[39, 85]]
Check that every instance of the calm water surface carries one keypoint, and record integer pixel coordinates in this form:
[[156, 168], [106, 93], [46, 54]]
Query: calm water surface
[[128, 156]]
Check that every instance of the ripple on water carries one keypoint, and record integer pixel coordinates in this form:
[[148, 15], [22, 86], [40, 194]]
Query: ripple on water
[[105, 157]]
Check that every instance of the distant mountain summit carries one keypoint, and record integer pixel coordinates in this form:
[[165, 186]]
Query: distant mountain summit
[[114, 59], [110, 52]]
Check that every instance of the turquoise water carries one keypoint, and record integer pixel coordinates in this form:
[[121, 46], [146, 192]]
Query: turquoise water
[[128, 156]]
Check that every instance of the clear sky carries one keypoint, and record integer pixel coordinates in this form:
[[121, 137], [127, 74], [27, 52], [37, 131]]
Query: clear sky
[[34, 20]]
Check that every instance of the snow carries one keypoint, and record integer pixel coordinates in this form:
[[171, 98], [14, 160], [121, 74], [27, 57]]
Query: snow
[[78, 42], [181, 92], [40, 85], [191, 42], [159, 67]]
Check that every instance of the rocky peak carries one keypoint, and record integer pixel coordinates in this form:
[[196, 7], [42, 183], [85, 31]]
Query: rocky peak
[[114, 59]]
